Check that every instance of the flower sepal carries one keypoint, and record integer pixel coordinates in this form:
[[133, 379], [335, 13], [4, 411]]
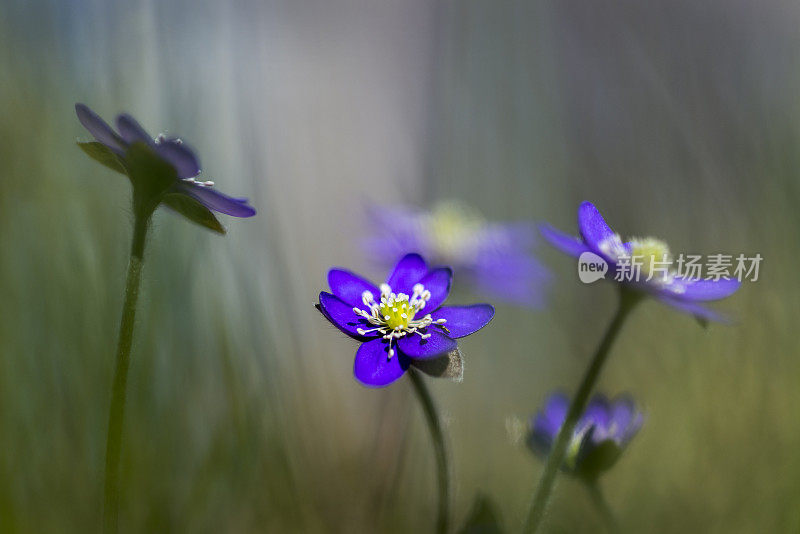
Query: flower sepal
[[103, 155], [598, 459], [151, 177], [450, 365], [194, 211]]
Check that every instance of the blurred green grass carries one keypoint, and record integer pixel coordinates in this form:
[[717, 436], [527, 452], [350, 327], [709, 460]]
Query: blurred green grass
[[242, 413]]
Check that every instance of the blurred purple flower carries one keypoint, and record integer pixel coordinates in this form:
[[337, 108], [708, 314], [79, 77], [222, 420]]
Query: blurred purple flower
[[601, 434], [669, 287], [171, 150], [495, 257], [392, 329]]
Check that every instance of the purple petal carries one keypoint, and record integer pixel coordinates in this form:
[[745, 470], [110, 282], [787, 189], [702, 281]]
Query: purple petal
[[574, 246], [504, 238], [622, 412], [408, 271], [542, 434], [437, 282], [597, 413], [633, 428], [413, 346], [398, 231], [342, 315], [699, 311], [464, 320], [625, 420], [592, 226], [179, 156], [701, 290], [518, 278], [131, 131], [213, 199], [349, 287], [552, 417], [557, 407], [374, 368], [99, 129]]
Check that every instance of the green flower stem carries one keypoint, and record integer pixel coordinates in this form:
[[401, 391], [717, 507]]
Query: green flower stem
[[602, 506], [628, 300], [435, 427], [116, 412]]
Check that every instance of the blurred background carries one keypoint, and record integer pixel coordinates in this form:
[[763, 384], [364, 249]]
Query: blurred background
[[679, 119]]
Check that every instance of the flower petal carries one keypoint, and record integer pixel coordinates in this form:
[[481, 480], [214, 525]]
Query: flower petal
[[349, 287], [179, 156], [633, 427], [547, 423], [374, 368], [574, 246], [592, 226], [623, 411], [408, 271], [554, 413], [540, 438], [131, 131], [99, 129], [342, 315], [213, 199], [437, 282], [413, 346], [398, 230], [464, 320], [597, 413], [625, 419], [517, 278], [702, 290], [699, 311]]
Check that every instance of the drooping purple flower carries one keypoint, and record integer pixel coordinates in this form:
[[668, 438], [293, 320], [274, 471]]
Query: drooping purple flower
[[170, 150], [601, 434], [401, 320], [495, 258], [657, 277]]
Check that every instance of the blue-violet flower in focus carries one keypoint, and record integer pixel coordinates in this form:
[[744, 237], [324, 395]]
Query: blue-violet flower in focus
[[601, 434], [400, 320]]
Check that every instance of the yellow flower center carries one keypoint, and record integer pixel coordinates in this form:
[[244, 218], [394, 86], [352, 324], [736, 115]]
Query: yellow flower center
[[393, 316], [397, 312], [454, 229], [652, 253]]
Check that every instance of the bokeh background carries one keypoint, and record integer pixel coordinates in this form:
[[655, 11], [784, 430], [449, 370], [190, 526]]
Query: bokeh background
[[679, 119]]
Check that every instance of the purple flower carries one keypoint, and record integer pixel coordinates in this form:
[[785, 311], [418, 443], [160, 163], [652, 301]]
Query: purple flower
[[401, 320], [601, 434], [657, 276], [170, 150], [494, 257]]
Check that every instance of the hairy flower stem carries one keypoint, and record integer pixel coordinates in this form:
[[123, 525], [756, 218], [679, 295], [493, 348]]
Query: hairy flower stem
[[116, 412], [435, 427], [627, 302], [599, 500]]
